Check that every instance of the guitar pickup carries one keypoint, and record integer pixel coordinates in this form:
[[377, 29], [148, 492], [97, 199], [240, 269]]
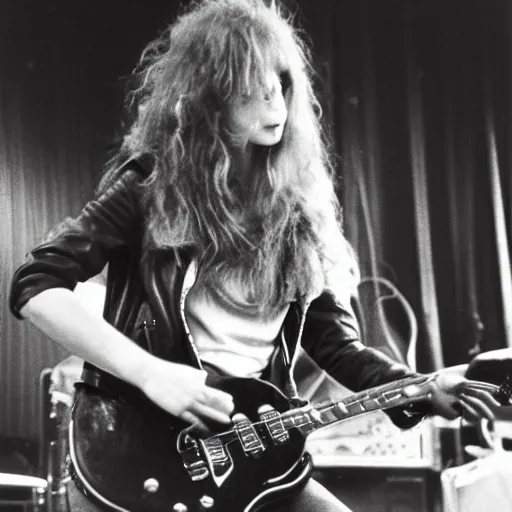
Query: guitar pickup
[[275, 426], [249, 439], [216, 452]]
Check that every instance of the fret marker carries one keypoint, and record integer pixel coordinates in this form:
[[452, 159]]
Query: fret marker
[[341, 407], [410, 391], [316, 415]]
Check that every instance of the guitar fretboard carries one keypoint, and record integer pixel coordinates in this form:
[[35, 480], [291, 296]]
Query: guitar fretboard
[[394, 394]]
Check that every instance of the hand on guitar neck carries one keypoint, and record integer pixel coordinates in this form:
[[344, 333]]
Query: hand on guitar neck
[[451, 395]]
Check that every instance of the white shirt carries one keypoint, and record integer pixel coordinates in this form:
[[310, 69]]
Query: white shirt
[[237, 340]]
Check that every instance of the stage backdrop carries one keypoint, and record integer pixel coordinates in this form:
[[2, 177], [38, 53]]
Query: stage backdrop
[[415, 94]]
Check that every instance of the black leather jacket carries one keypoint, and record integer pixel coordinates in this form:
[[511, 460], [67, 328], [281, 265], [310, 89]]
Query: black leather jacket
[[146, 295]]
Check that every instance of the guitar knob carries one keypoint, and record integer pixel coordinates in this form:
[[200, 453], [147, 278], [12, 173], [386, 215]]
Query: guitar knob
[[151, 485], [206, 502], [180, 507]]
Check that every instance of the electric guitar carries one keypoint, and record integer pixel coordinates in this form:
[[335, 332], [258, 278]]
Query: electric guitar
[[129, 455]]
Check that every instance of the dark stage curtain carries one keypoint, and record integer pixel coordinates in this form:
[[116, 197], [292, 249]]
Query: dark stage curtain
[[405, 86], [45, 174], [61, 94], [422, 114]]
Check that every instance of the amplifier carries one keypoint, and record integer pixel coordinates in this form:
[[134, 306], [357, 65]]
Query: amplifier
[[365, 489]]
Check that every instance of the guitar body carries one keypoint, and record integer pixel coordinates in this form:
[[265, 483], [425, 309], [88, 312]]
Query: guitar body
[[129, 455]]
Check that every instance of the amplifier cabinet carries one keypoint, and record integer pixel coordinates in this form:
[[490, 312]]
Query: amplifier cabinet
[[366, 489]]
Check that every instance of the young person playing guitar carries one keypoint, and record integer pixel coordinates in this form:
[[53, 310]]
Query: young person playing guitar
[[222, 233]]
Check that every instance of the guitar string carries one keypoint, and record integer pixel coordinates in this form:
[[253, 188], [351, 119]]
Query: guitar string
[[477, 385]]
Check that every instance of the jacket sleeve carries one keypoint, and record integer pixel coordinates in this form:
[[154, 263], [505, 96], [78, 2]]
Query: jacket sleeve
[[331, 338], [79, 248]]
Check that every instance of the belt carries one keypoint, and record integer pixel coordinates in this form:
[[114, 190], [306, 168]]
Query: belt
[[104, 381]]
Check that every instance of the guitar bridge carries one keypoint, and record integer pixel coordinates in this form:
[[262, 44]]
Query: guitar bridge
[[196, 470], [216, 453], [191, 456], [218, 458]]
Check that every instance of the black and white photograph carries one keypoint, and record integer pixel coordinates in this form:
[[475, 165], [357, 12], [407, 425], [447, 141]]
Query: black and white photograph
[[256, 256]]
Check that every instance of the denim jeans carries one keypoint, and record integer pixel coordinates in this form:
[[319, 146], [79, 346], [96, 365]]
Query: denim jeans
[[313, 498]]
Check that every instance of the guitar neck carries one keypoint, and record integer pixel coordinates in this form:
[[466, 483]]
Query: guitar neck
[[394, 394], [309, 418]]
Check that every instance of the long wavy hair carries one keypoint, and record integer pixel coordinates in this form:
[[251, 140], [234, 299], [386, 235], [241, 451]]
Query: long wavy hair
[[276, 236]]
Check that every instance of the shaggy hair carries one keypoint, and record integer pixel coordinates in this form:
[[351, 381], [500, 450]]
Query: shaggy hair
[[276, 236]]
